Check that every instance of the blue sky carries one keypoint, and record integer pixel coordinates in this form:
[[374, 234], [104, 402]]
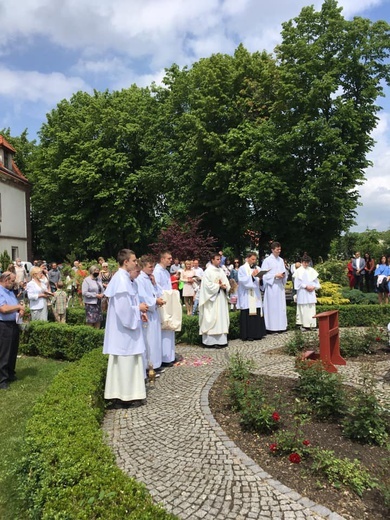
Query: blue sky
[[50, 49]]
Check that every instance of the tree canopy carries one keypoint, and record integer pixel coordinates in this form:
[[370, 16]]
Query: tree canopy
[[276, 144]]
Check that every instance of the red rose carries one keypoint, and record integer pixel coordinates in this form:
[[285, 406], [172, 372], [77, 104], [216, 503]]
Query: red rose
[[306, 443], [273, 447], [378, 338], [275, 416], [294, 458]]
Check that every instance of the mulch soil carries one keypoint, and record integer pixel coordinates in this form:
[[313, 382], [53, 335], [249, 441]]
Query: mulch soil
[[326, 435]]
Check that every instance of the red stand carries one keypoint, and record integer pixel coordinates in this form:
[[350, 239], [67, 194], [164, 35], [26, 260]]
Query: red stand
[[329, 340]]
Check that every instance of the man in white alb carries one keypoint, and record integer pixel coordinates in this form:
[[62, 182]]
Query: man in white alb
[[213, 305], [275, 313], [123, 338], [306, 282], [149, 293], [163, 281]]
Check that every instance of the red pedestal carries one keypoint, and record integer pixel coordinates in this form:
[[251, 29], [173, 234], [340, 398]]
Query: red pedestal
[[328, 323]]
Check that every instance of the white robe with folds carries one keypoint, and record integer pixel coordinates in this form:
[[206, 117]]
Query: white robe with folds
[[148, 293], [213, 307], [306, 301], [163, 281], [248, 289], [123, 341], [275, 313]]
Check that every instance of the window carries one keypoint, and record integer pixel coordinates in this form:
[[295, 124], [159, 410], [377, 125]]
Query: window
[[14, 253]]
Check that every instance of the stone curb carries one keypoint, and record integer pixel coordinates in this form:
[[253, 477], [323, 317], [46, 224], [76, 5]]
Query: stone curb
[[251, 464]]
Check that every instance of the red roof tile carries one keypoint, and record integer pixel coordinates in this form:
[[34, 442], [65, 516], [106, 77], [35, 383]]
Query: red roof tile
[[5, 144]]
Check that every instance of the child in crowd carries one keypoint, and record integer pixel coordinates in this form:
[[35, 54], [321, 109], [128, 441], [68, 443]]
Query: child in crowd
[[233, 294], [59, 302], [175, 277], [196, 287]]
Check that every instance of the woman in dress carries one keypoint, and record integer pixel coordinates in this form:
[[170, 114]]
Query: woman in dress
[[38, 294], [105, 275], [92, 291], [234, 271], [187, 276], [382, 273], [369, 272]]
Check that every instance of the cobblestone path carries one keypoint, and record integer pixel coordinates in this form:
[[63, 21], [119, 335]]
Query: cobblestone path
[[177, 449]]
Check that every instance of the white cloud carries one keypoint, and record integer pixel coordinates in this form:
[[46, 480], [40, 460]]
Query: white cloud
[[375, 192], [37, 87]]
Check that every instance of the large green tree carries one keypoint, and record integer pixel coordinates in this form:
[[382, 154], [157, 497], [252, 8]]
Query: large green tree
[[207, 116], [274, 144], [88, 197], [331, 72]]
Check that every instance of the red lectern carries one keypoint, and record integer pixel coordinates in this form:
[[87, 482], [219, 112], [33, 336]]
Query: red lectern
[[328, 323]]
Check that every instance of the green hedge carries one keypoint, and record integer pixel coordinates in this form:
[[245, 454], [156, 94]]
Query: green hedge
[[68, 471], [359, 315], [59, 340], [190, 329], [71, 342]]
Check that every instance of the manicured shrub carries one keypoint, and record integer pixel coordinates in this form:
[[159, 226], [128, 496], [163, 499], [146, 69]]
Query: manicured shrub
[[331, 294], [68, 471], [59, 340], [359, 315], [357, 297]]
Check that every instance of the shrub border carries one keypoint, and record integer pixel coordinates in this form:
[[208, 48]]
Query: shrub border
[[67, 470]]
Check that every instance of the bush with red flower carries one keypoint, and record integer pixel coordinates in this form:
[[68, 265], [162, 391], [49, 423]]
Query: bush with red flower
[[295, 458]]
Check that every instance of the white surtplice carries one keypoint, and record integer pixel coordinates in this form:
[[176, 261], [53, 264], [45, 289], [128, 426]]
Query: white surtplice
[[148, 293], [123, 341], [163, 281], [213, 307], [306, 300], [275, 313]]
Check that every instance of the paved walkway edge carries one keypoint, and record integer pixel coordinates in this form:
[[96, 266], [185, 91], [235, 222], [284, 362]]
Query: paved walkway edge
[[250, 463]]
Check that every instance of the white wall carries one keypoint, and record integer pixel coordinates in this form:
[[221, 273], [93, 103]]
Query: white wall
[[13, 219]]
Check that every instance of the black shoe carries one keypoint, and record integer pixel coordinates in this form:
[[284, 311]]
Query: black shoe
[[12, 378], [167, 365], [136, 403], [4, 386]]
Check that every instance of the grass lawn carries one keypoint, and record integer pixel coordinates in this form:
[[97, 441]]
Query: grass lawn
[[34, 376]]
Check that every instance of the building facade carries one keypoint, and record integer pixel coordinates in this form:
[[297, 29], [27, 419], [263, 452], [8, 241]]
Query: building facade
[[15, 222]]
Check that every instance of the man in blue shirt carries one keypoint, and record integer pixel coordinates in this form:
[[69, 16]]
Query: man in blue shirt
[[10, 311]]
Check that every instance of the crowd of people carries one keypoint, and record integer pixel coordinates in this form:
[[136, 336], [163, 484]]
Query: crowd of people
[[367, 275], [144, 301]]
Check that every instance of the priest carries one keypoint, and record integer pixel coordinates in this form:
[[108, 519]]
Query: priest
[[123, 339], [275, 313], [213, 305], [249, 300]]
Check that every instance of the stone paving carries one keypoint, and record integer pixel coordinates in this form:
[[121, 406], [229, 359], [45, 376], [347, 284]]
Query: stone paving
[[177, 449]]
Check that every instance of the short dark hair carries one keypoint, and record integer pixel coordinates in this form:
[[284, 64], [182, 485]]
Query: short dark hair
[[163, 253], [145, 260], [214, 255], [251, 253], [306, 258], [123, 255], [274, 245]]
